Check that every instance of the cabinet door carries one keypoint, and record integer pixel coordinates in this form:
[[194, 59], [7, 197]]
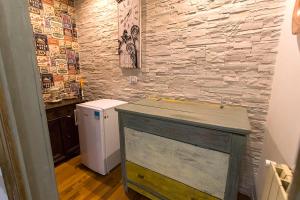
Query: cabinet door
[[56, 140], [69, 135]]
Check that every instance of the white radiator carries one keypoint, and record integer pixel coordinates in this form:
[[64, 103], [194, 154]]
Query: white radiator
[[277, 182]]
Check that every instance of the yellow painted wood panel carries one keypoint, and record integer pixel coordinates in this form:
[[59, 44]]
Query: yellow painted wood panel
[[143, 192], [163, 185]]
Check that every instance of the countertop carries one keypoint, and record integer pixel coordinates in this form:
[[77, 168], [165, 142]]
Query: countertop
[[63, 103], [229, 118]]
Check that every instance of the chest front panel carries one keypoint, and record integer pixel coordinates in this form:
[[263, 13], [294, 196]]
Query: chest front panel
[[203, 169]]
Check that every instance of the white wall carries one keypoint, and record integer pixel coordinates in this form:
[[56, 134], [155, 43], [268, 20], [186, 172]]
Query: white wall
[[282, 133], [283, 120]]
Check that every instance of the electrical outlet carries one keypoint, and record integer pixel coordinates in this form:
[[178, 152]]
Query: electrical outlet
[[133, 79]]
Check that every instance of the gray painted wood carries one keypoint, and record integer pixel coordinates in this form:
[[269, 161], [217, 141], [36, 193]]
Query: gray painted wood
[[19, 72], [122, 151], [202, 137], [203, 169], [161, 119], [10, 152], [237, 151], [230, 118]]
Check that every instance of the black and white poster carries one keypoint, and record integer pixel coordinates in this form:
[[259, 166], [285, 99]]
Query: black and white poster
[[41, 44], [129, 34], [47, 80]]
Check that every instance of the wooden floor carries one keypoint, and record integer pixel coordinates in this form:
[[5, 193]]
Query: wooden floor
[[75, 181]]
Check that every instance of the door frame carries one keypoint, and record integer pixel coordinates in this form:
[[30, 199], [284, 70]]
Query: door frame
[[25, 151], [11, 160]]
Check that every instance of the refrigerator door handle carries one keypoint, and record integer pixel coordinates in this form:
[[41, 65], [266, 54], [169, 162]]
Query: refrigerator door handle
[[75, 117]]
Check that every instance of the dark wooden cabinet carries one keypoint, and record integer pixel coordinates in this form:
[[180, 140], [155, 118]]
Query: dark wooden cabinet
[[69, 135], [55, 139], [63, 131]]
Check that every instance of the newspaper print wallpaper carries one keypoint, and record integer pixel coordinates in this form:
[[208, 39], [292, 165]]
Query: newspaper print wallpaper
[[55, 37]]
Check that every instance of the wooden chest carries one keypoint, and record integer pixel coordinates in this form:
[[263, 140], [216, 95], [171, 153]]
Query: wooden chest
[[182, 150]]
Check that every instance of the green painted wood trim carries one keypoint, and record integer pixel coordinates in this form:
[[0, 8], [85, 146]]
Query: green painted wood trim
[[237, 147], [237, 151], [122, 151], [202, 137], [190, 123], [12, 168], [231, 119]]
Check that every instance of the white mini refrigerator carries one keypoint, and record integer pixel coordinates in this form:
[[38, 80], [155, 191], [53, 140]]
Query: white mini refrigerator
[[99, 134]]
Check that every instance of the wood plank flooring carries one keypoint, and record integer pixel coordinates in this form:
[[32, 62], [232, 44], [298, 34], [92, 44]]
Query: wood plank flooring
[[77, 182]]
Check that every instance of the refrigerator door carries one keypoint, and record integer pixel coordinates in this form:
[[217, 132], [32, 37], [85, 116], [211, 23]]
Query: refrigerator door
[[91, 139]]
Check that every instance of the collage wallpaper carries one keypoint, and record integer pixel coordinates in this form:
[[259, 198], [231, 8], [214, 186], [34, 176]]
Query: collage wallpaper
[[55, 38]]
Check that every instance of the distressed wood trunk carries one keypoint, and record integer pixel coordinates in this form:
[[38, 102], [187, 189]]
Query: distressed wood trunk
[[178, 150]]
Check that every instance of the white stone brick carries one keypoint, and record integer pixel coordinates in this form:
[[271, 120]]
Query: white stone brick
[[242, 45], [251, 26]]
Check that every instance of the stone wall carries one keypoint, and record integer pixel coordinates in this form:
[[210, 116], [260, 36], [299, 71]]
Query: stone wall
[[192, 49]]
